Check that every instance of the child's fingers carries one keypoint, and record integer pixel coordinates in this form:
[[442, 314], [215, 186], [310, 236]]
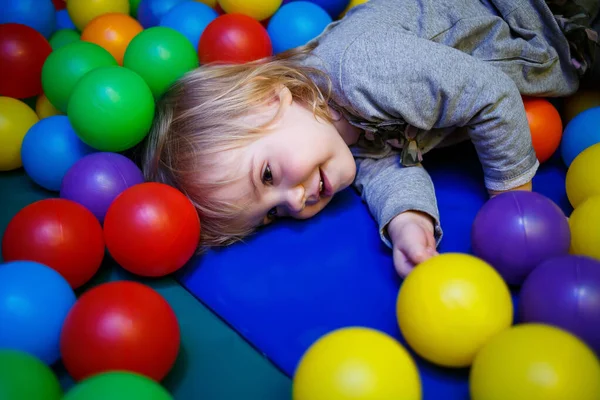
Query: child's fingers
[[402, 264]]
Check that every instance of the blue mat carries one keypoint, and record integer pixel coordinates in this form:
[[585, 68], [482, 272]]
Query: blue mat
[[297, 280]]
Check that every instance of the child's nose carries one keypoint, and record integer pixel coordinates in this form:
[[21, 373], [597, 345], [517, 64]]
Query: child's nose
[[296, 199]]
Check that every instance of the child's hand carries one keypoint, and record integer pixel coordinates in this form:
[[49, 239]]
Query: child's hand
[[527, 187], [413, 240]]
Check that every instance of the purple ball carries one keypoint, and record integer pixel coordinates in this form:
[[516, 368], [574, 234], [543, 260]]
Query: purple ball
[[516, 231], [95, 180], [565, 292]]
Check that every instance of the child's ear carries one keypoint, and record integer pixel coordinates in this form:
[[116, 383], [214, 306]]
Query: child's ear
[[284, 95]]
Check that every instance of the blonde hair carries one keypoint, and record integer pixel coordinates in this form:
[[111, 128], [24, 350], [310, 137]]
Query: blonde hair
[[202, 115]]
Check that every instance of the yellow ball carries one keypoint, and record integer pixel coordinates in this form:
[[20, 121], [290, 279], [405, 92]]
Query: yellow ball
[[16, 118], [44, 108], [83, 11], [450, 305], [535, 362], [353, 3], [579, 102], [257, 9], [584, 222], [583, 179], [356, 363]]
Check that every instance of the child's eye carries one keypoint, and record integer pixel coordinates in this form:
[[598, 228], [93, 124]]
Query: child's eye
[[267, 177], [272, 213]]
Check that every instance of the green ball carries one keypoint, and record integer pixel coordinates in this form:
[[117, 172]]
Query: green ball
[[63, 37], [117, 386], [133, 7], [160, 55], [24, 377], [65, 66], [111, 109]]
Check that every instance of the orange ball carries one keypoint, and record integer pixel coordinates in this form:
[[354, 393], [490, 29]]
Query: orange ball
[[545, 125], [113, 32]]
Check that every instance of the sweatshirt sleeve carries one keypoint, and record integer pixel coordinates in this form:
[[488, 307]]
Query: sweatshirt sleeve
[[388, 73], [389, 189]]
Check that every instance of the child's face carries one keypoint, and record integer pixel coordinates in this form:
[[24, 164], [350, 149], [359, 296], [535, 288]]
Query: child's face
[[294, 170]]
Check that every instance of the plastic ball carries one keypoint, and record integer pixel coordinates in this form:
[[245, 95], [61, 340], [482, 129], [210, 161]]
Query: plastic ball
[[133, 7], [58, 233], [356, 363], [34, 302], [545, 125], [210, 3], [584, 222], [37, 14], [333, 7], [16, 118], [150, 12], [83, 11], [23, 51], [97, 179], [450, 305], [234, 38], [112, 32], [189, 18], [295, 24], [351, 5], [63, 20], [111, 108], [160, 55], [582, 179], [65, 67], [257, 9], [535, 362], [45, 109], [117, 385], [515, 231], [49, 149], [564, 292], [152, 215], [63, 37], [579, 102], [23, 376], [59, 4], [145, 341], [582, 132]]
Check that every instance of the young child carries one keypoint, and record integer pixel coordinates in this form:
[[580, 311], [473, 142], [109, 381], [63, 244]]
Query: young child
[[361, 105]]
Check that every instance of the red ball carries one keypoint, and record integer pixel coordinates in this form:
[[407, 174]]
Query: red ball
[[59, 233], [123, 326], [151, 229], [234, 38], [59, 4], [545, 125], [23, 51]]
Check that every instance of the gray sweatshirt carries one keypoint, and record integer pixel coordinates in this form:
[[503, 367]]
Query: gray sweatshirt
[[420, 74]]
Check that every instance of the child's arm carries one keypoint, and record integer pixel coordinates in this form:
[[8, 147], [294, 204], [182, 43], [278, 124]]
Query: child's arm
[[389, 74], [402, 201]]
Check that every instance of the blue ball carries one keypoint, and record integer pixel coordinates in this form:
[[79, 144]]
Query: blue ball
[[189, 18], [49, 149], [333, 7], [34, 302], [295, 24], [150, 12], [582, 132], [37, 14], [64, 21]]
